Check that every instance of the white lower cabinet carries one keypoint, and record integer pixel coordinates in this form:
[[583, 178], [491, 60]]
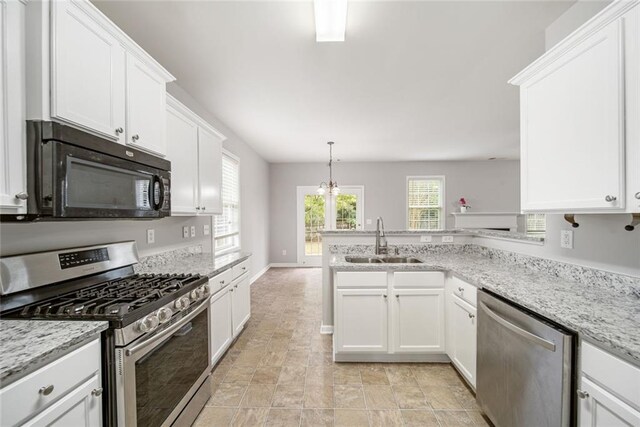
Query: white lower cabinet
[[361, 320], [66, 392], [418, 321], [240, 303], [220, 327], [609, 390], [461, 327]]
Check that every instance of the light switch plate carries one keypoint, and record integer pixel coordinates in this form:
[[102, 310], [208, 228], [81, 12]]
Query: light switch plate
[[566, 239], [185, 232], [206, 229], [193, 231], [426, 239], [284, 252], [447, 239], [151, 236]]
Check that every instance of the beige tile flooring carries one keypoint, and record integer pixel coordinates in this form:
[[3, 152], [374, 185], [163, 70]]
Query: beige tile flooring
[[280, 372]]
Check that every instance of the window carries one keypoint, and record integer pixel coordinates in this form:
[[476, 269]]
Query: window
[[227, 225], [536, 223], [425, 202]]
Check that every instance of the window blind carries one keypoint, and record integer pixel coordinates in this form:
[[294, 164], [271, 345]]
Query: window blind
[[536, 223], [425, 203], [227, 225]]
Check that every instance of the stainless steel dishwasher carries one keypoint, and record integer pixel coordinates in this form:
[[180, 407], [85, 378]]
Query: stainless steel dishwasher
[[525, 367]]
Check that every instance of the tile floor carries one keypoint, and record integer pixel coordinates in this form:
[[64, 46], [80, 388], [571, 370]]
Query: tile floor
[[280, 372]]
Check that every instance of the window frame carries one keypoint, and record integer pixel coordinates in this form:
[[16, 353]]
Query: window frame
[[237, 248], [443, 203]]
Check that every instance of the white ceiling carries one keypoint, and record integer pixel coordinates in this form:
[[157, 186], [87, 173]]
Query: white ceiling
[[413, 80]]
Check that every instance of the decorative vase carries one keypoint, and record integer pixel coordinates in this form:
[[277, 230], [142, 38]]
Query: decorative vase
[[463, 209]]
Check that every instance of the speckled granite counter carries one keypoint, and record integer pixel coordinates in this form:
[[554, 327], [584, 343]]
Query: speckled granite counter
[[27, 345], [601, 314], [189, 260], [494, 234]]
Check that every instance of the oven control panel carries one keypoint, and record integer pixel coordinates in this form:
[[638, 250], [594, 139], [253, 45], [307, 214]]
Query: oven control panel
[[76, 259]]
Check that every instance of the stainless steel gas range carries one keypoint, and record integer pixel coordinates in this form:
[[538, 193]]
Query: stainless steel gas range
[[156, 361]]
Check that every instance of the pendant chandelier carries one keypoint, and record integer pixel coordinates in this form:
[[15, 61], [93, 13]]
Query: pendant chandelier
[[332, 186]]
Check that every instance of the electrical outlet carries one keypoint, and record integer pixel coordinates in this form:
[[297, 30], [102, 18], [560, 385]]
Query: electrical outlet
[[151, 236], [426, 239], [369, 221], [206, 230], [185, 232], [193, 231], [284, 252], [447, 239], [566, 239]]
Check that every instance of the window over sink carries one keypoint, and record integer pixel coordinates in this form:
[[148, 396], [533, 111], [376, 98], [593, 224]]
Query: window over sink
[[425, 202], [227, 225]]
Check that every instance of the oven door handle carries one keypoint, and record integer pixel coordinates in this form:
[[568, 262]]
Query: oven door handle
[[167, 332], [518, 330]]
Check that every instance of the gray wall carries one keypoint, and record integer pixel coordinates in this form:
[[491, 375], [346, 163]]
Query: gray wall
[[488, 186], [576, 15], [254, 191]]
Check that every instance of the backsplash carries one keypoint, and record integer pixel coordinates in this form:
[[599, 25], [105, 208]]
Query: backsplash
[[617, 282]]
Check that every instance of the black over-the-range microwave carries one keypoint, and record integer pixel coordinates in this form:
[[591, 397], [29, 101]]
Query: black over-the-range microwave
[[74, 175]]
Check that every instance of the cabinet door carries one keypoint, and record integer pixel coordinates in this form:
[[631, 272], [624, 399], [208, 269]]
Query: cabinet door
[[241, 303], [220, 328], [80, 407], [182, 151], [463, 334], [87, 71], [572, 125], [418, 321], [12, 111], [631, 22], [361, 320], [602, 409], [146, 107], [210, 167]]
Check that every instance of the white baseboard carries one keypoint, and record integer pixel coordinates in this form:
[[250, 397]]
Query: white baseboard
[[326, 329], [287, 265], [259, 273], [391, 358]]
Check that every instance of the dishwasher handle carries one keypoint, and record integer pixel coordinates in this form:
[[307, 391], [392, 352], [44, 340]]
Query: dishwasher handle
[[518, 330]]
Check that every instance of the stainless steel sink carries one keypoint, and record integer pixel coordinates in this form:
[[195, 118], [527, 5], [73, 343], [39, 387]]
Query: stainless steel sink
[[402, 260], [363, 260], [386, 260]]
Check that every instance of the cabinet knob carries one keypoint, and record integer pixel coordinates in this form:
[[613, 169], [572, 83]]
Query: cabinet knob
[[119, 131], [461, 289], [204, 208], [384, 295], [471, 316], [96, 392], [398, 296], [638, 195], [582, 394], [222, 282], [197, 208], [135, 137], [231, 290], [610, 198], [22, 196], [46, 391]]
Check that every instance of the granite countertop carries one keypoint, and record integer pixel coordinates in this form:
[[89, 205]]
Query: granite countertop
[[187, 261], [27, 345], [495, 234], [600, 314]]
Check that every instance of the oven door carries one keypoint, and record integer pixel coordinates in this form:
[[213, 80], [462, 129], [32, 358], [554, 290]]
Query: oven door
[[89, 184], [158, 374]]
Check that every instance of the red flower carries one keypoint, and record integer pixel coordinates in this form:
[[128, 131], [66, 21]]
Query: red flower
[[462, 201]]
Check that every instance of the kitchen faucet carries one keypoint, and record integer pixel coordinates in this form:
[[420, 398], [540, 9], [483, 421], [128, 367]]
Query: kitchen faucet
[[381, 240]]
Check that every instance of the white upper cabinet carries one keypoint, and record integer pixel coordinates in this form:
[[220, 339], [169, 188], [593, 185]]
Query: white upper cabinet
[[146, 107], [631, 25], [210, 167], [195, 151], [12, 111], [87, 71], [575, 105]]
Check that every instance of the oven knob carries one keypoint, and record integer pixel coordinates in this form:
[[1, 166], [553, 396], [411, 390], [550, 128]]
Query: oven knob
[[205, 291], [164, 315], [195, 294], [148, 323], [182, 303]]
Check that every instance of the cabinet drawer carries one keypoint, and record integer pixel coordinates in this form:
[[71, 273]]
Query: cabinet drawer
[[617, 375], [418, 279], [23, 399], [361, 279], [465, 291], [240, 269], [219, 281]]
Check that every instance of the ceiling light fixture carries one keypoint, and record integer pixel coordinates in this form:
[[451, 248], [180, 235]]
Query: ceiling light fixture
[[332, 186], [331, 20]]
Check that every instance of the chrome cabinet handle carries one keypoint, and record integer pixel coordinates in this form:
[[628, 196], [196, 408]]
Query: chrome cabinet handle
[[22, 196], [385, 296], [96, 392], [197, 208], [135, 137], [471, 316], [610, 199], [204, 208], [231, 290], [222, 282], [244, 268], [119, 131], [638, 195], [46, 391], [398, 296], [582, 394], [461, 289]]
